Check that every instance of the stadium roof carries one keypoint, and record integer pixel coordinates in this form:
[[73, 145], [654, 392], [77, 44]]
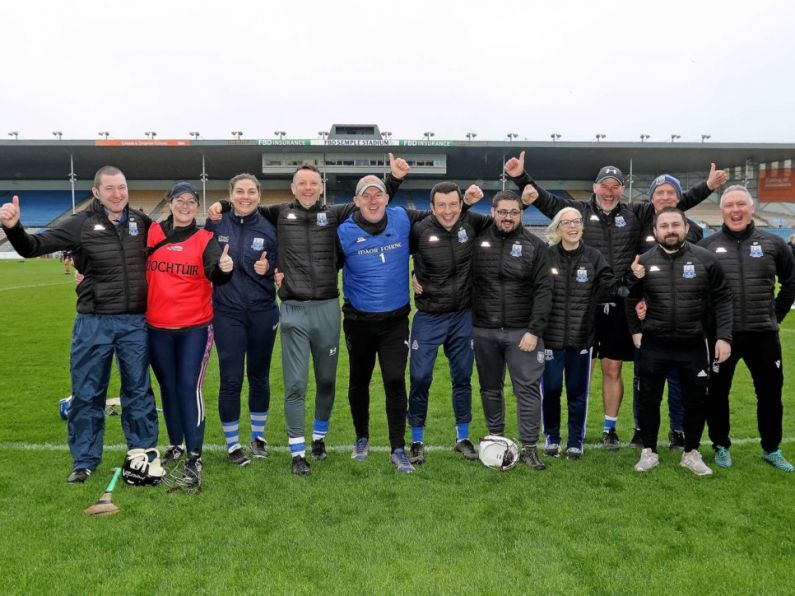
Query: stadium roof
[[144, 159]]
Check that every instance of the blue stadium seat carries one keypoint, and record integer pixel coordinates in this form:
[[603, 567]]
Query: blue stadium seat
[[40, 207], [784, 233]]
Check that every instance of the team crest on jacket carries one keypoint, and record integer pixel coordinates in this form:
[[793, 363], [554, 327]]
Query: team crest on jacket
[[756, 250], [132, 229], [462, 235], [689, 271], [620, 221], [582, 275], [223, 239], [322, 220], [258, 243], [516, 250], [548, 355]]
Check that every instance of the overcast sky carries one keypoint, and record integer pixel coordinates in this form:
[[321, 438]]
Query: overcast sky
[[489, 67]]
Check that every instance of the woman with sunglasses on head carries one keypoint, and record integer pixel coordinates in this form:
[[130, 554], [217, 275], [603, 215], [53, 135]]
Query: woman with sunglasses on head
[[184, 263], [246, 316], [581, 279]]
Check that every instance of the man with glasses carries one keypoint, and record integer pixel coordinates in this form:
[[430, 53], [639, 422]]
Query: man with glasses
[[614, 229], [109, 244], [511, 300]]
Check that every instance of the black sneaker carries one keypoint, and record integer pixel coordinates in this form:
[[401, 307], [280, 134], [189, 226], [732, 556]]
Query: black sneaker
[[78, 476], [319, 450], [417, 453], [301, 466], [193, 471], [529, 455], [676, 440], [466, 449], [172, 453], [237, 457], [637, 440], [259, 448], [610, 440]]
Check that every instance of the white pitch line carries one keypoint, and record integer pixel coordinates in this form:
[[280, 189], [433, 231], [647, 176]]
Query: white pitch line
[[212, 447], [59, 283]]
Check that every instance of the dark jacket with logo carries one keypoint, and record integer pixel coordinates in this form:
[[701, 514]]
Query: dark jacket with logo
[[682, 290], [511, 285], [752, 260], [248, 237], [113, 259], [615, 234], [581, 278], [442, 262]]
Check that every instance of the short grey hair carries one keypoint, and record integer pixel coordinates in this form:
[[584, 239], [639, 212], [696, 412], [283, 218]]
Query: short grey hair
[[735, 188]]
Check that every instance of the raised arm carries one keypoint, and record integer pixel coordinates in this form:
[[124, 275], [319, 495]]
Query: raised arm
[[62, 237], [702, 190], [546, 203]]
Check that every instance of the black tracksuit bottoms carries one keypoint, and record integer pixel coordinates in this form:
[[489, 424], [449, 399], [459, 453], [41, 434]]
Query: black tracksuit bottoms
[[690, 359], [389, 340], [761, 352]]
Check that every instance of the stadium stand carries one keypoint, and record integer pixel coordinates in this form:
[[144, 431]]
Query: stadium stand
[[41, 206], [272, 196]]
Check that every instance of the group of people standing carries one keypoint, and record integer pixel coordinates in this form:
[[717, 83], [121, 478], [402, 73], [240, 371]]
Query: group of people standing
[[618, 281]]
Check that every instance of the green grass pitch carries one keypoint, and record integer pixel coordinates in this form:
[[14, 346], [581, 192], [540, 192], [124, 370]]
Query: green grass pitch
[[587, 527]]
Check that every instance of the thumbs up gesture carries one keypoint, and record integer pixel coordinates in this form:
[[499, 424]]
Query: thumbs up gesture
[[9, 213], [514, 167], [225, 263], [716, 177], [637, 269], [399, 166], [262, 266]]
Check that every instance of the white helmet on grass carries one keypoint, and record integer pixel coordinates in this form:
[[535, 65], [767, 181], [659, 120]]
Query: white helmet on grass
[[498, 453]]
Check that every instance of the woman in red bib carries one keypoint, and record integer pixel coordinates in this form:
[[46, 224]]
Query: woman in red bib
[[184, 261]]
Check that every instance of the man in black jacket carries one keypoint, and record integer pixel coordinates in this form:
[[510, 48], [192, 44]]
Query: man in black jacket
[[109, 244], [665, 191], [614, 229], [752, 260], [442, 246], [511, 300], [682, 286]]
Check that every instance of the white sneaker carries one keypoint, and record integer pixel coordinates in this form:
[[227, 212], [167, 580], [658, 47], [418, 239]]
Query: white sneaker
[[648, 460], [693, 462]]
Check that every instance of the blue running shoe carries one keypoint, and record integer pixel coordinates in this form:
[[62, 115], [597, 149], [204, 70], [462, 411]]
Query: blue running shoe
[[360, 449], [401, 462], [723, 459], [776, 459]]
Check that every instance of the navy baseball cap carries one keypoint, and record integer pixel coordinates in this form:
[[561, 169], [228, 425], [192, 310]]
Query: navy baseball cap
[[181, 188], [610, 172]]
